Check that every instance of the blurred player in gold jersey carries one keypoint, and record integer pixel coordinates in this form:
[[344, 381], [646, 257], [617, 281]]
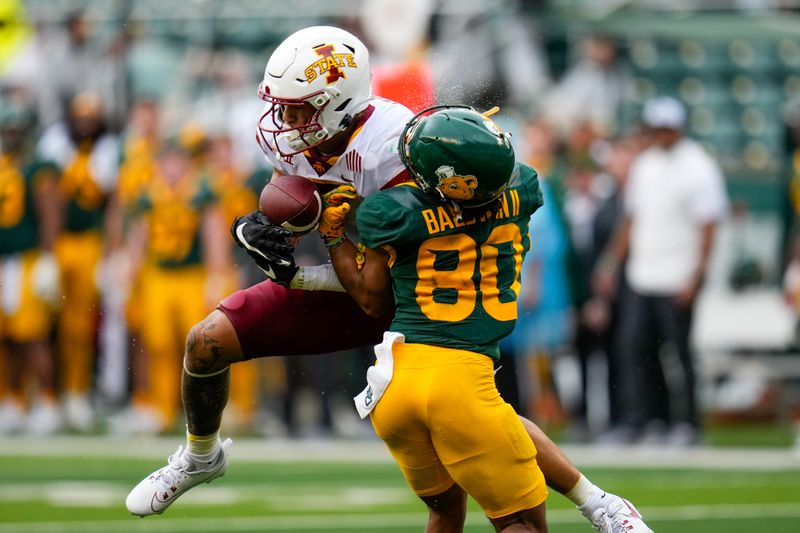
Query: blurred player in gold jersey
[[141, 145], [180, 244], [29, 277], [238, 194], [89, 157]]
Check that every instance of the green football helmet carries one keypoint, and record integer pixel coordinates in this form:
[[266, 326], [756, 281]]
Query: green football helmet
[[17, 123], [458, 154], [16, 116]]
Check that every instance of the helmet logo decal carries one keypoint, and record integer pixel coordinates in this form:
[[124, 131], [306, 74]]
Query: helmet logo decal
[[455, 186], [329, 63]]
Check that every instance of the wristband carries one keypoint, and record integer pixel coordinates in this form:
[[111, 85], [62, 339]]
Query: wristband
[[330, 244]]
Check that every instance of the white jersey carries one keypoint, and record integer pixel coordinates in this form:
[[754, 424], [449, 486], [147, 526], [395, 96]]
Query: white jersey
[[670, 195], [369, 162]]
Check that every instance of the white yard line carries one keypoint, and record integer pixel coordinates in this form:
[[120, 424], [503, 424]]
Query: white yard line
[[373, 451], [375, 521]]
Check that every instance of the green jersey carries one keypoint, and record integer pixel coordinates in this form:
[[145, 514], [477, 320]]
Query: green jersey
[[455, 282], [19, 222]]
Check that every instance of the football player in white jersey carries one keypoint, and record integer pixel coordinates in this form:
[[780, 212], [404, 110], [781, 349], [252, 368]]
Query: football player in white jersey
[[321, 122]]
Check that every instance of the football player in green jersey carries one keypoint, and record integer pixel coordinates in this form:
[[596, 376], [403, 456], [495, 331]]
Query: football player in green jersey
[[446, 252], [31, 289]]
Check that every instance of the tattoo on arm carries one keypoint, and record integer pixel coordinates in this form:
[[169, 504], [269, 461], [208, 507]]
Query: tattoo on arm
[[210, 343], [191, 341], [208, 339]]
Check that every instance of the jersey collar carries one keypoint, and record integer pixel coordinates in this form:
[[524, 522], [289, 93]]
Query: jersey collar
[[322, 163]]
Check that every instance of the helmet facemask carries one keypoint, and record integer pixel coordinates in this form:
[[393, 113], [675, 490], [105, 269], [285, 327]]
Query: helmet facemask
[[272, 128]]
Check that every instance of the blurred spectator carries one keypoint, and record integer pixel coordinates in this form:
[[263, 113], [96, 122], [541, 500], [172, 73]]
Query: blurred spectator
[[89, 157], [746, 272], [153, 68], [223, 100], [791, 207], [673, 202], [581, 202], [592, 90], [539, 145], [543, 325], [483, 57], [29, 277], [397, 35], [76, 62], [598, 316], [22, 62], [791, 285]]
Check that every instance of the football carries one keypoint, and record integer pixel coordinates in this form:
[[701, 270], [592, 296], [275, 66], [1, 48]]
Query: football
[[292, 202]]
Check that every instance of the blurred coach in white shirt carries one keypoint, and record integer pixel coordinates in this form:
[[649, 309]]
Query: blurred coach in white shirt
[[674, 199]]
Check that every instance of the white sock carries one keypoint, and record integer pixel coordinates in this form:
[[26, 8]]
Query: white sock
[[586, 495], [202, 449]]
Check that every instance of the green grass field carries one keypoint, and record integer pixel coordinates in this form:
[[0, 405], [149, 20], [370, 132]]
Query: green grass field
[[72, 487]]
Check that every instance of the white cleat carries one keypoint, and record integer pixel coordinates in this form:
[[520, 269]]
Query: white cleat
[[78, 412], [139, 421], [619, 516], [44, 419], [158, 490], [12, 417]]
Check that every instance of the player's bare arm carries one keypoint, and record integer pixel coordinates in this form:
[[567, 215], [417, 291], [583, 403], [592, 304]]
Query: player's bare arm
[[49, 205], [371, 285], [364, 274]]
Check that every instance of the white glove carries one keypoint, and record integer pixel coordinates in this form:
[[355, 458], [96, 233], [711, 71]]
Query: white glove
[[46, 278]]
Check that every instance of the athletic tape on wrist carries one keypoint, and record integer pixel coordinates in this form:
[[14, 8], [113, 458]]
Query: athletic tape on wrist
[[318, 278]]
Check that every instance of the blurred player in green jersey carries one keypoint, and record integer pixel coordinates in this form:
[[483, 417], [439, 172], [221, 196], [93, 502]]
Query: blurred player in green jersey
[[29, 276]]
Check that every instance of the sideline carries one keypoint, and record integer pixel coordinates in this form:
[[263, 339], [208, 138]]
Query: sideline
[[373, 451]]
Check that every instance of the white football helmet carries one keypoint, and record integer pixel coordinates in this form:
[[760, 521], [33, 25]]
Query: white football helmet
[[324, 67]]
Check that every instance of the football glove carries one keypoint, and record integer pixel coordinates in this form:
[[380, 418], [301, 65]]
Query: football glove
[[332, 222], [266, 244], [361, 258], [339, 195]]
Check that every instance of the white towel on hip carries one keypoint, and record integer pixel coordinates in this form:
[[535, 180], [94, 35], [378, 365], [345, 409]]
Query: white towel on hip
[[379, 375], [11, 278]]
